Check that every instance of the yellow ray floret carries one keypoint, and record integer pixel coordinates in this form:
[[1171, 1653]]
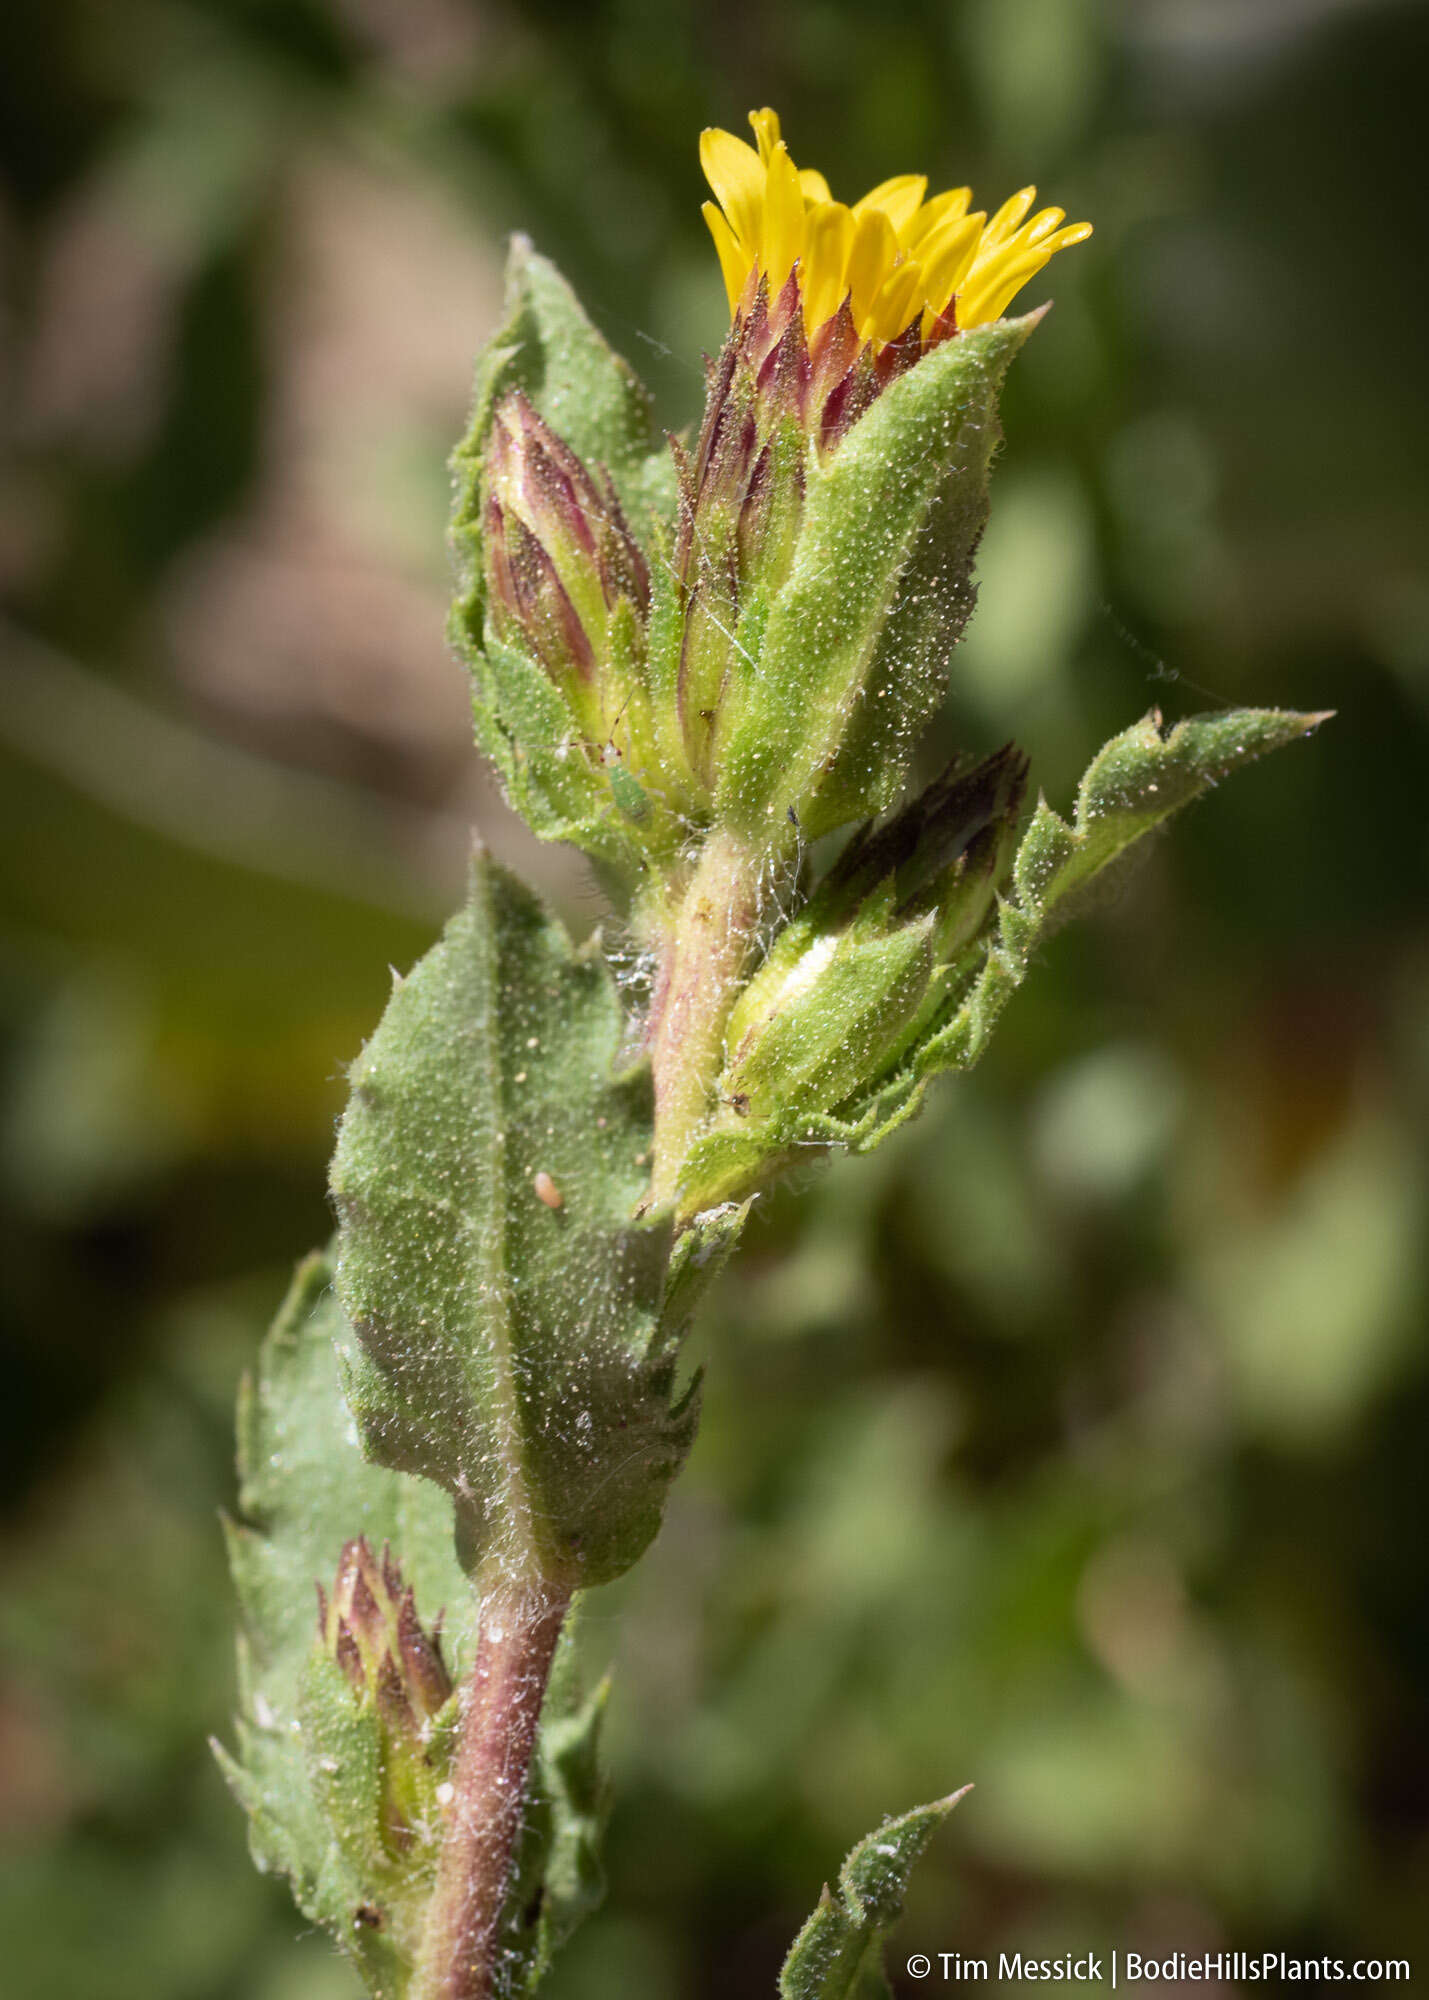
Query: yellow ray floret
[[892, 255]]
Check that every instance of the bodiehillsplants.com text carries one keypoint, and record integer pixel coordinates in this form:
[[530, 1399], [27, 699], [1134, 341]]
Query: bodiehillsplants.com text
[[1132, 1968]]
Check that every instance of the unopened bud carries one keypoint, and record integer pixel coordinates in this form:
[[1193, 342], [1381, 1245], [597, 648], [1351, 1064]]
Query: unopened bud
[[943, 855], [803, 1037], [371, 1629], [878, 950], [566, 578], [741, 502], [377, 1721]]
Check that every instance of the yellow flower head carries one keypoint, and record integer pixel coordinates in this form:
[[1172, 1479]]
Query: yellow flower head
[[898, 259]]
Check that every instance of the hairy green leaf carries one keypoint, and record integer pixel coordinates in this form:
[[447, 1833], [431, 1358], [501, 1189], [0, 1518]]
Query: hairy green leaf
[[510, 1336], [553, 779], [838, 1955], [305, 1490]]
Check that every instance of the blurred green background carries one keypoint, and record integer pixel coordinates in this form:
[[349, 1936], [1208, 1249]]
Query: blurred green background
[[1074, 1444]]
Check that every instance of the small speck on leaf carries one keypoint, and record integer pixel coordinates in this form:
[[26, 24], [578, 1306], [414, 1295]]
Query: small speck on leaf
[[547, 1191]]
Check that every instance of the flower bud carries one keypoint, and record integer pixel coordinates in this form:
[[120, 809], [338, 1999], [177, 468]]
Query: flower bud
[[807, 1035], [740, 504], [566, 578], [774, 397], [386, 1796], [371, 1628], [942, 856], [881, 947]]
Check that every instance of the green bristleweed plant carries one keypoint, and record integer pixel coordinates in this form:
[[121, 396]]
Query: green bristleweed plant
[[693, 661]]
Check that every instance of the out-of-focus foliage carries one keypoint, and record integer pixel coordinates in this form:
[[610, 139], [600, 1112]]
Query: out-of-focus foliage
[[1088, 1471]]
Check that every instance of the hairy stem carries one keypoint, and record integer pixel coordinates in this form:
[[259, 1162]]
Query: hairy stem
[[704, 956], [460, 1957]]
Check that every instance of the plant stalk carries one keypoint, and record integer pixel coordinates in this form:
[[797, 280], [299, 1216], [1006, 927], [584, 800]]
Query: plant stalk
[[703, 957], [460, 1956]]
